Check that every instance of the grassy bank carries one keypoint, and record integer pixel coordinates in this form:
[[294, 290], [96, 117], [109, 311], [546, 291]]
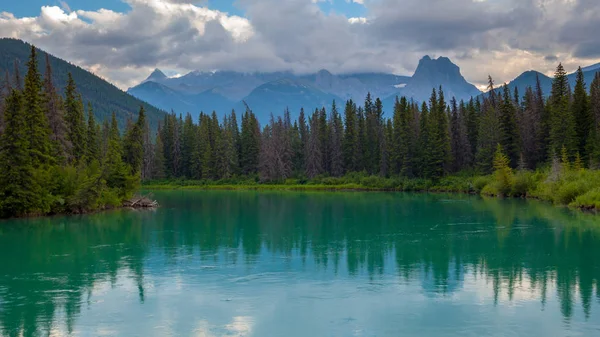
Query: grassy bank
[[563, 186]]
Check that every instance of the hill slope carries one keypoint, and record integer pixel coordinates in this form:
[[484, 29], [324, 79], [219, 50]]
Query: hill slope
[[104, 97]]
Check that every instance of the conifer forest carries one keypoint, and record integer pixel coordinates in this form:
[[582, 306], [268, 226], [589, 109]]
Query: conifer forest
[[55, 158]]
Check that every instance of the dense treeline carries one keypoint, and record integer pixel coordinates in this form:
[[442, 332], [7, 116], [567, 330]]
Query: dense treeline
[[53, 160], [430, 140]]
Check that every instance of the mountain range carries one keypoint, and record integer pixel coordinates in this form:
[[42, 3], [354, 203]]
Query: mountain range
[[272, 93]]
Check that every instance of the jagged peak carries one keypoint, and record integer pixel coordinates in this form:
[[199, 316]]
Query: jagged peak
[[157, 74]]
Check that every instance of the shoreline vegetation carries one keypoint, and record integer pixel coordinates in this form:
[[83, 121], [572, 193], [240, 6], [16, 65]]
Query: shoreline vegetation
[[561, 185], [54, 160]]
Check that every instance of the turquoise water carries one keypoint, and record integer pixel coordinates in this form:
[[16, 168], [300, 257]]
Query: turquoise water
[[304, 264]]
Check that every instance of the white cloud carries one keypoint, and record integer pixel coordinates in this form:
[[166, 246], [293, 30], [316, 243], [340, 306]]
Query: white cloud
[[502, 37]]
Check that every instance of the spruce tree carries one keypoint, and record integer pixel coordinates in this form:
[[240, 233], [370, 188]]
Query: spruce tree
[[473, 113], [509, 133], [19, 190], [593, 143], [54, 108], [336, 135], [404, 138], [582, 112], [250, 139], [188, 144], [562, 120], [133, 144], [92, 140], [38, 130], [350, 136], [489, 137], [158, 165], [75, 121]]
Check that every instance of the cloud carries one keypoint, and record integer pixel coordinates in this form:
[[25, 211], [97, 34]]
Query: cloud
[[500, 37]]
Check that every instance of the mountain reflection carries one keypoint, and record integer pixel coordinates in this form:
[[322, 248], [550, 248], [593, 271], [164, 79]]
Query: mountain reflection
[[51, 269]]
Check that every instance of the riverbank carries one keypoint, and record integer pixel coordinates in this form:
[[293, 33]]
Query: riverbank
[[575, 188]]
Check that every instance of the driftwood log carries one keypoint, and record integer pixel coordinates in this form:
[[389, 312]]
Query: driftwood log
[[141, 202]]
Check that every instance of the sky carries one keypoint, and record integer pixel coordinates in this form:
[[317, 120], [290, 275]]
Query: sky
[[124, 40]]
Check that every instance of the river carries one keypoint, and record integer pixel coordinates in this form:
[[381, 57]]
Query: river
[[304, 264]]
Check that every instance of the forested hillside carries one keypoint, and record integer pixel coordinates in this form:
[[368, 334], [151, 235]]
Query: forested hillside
[[54, 157], [104, 97]]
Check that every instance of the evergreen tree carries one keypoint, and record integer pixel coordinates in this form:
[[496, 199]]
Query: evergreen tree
[[350, 136], [562, 121], [404, 138], [314, 159], [92, 138], [53, 106], [509, 133], [461, 150], [593, 143], [19, 190], [134, 143], [38, 130], [360, 156], [187, 146], [582, 112], [473, 113], [336, 135], [158, 165], [205, 150], [75, 122], [489, 137], [531, 131], [250, 140], [116, 173]]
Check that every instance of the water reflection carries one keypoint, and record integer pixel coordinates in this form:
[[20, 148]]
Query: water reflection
[[283, 255]]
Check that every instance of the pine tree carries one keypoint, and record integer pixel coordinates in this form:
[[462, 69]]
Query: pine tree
[[336, 135], [424, 145], [404, 138], [361, 143], [314, 159], [92, 140], [158, 165], [461, 150], [205, 150], [509, 133], [562, 120], [134, 144], [19, 190], [593, 143], [250, 140], [115, 171], [4, 92], [489, 137], [531, 131], [187, 146], [54, 108], [582, 112], [75, 122], [503, 173], [473, 113], [38, 130], [350, 136]]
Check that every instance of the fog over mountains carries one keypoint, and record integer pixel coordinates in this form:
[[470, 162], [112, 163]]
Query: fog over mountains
[[272, 93]]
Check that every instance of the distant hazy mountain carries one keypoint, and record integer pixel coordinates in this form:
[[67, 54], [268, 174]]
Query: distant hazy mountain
[[104, 97], [268, 93]]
